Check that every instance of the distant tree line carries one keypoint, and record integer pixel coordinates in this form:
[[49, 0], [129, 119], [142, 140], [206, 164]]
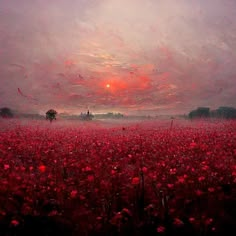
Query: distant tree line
[[222, 112], [6, 112], [205, 112], [109, 115], [86, 116]]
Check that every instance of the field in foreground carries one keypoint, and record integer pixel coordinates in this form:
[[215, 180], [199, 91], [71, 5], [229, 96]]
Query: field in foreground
[[99, 178]]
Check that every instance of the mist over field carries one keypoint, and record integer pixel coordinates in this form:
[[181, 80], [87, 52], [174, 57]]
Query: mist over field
[[110, 124]]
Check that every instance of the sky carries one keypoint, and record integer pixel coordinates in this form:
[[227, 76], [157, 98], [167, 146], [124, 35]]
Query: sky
[[130, 56]]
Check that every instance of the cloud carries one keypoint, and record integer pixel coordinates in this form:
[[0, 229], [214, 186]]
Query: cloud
[[156, 54]]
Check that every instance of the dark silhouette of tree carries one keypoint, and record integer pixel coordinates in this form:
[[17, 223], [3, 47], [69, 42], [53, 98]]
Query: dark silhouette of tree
[[222, 112], [51, 115], [200, 112], [226, 112], [6, 112]]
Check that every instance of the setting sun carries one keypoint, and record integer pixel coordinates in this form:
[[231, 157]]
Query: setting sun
[[108, 85]]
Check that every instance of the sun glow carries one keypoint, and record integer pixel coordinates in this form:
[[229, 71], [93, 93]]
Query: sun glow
[[108, 85]]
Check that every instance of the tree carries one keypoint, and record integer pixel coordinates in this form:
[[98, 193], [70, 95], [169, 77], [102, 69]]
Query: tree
[[226, 112], [51, 115], [223, 112], [6, 112], [203, 112], [200, 112]]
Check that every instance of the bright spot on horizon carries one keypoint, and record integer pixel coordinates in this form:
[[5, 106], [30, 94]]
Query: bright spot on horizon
[[108, 86]]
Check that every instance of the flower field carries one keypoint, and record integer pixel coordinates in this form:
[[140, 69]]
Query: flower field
[[97, 178]]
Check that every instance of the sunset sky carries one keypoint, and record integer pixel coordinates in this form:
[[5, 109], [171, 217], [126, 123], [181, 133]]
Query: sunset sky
[[129, 56]]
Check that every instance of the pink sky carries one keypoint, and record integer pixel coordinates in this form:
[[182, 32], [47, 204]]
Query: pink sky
[[158, 56]]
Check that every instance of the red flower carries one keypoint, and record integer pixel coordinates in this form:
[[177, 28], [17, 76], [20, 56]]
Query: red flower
[[178, 222], [193, 145], [211, 190], [201, 178], [15, 223], [73, 193], [161, 229], [191, 219], [6, 167], [208, 221], [199, 192], [90, 178], [170, 185], [81, 197], [144, 169], [42, 168], [135, 181], [181, 180], [88, 168]]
